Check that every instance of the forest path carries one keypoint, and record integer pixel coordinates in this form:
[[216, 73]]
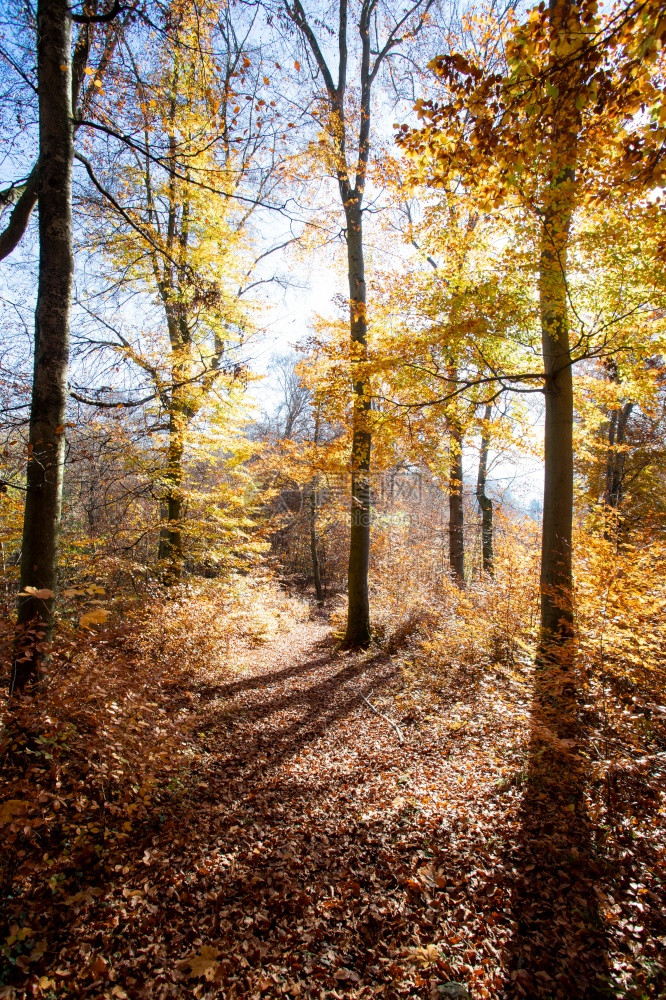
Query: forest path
[[313, 853], [291, 845]]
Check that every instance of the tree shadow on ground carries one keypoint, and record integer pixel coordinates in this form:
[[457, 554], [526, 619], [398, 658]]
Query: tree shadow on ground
[[556, 868], [255, 682]]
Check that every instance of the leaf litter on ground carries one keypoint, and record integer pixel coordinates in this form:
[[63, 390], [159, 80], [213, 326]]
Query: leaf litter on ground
[[202, 804]]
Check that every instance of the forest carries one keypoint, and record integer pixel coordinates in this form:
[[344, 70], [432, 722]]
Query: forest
[[332, 499]]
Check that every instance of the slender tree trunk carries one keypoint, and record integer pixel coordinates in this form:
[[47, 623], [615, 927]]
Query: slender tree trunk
[[358, 614], [616, 457], [41, 525], [456, 514], [171, 534], [483, 500], [316, 574]]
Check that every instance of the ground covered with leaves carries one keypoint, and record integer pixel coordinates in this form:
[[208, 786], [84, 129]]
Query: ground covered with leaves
[[212, 799]]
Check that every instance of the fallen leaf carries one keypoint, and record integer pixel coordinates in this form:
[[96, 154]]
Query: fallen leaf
[[204, 964], [12, 808], [96, 617]]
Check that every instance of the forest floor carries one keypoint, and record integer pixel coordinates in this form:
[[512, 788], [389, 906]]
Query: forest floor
[[254, 829]]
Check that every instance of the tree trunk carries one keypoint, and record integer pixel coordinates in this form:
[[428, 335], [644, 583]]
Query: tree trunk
[[171, 533], [41, 525], [616, 457], [483, 500], [556, 578], [358, 614], [456, 515], [557, 624], [316, 575]]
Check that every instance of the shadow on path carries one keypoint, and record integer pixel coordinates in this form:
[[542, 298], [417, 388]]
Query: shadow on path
[[558, 948]]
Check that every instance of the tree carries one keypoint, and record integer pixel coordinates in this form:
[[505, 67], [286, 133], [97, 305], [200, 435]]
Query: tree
[[484, 501], [39, 558], [181, 208], [295, 464], [95, 31], [59, 85], [347, 132], [454, 324], [538, 136]]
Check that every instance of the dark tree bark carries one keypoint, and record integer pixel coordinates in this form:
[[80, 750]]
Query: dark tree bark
[[556, 577], [41, 526], [483, 500], [456, 514]]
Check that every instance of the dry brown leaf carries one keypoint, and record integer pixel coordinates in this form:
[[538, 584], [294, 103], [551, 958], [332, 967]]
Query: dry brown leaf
[[204, 964], [12, 808], [96, 617], [43, 593]]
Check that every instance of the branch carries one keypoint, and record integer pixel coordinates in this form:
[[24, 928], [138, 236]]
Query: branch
[[112, 406], [165, 165], [5, 483], [20, 215], [396, 728], [297, 15], [122, 211], [395, 39], [103, 18]]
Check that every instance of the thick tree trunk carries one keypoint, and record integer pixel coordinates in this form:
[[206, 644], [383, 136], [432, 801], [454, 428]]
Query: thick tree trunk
[[41, 525], [557, 626], [484, 501], [358, 613], [456, 514], [557, 622], [556, 578]]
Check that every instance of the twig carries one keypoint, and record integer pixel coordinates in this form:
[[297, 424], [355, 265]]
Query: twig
[[5, 483], [381, 715]]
